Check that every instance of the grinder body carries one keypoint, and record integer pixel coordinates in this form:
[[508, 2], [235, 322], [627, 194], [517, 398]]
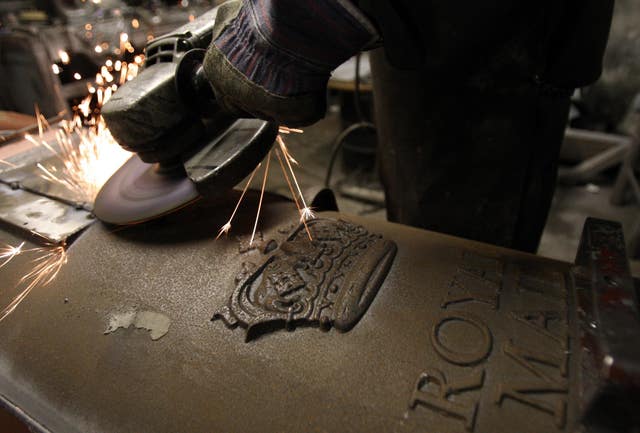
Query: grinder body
[[148, 115], [184, 141]]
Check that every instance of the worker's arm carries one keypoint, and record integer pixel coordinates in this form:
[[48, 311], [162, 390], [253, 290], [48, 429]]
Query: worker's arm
[[273, 58]]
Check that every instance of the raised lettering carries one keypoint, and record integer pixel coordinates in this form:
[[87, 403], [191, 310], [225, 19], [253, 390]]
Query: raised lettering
[[528, 360], [539, 322], [525, 390], [477, 350], [470, 286], [522, 392], [549, 286], [433, 391], [487, 265]]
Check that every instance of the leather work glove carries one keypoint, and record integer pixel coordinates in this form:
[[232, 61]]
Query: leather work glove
[[272, 59]]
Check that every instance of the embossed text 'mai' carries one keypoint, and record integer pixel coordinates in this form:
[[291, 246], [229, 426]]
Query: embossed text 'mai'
[[502, 340]]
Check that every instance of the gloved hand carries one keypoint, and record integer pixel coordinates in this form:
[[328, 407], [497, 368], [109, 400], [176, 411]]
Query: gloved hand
[[272, 59]]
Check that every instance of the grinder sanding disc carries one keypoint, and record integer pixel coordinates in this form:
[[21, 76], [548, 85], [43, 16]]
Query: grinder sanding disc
[[138, 192]]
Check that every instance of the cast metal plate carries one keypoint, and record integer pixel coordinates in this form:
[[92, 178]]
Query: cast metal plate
[[461, 337]]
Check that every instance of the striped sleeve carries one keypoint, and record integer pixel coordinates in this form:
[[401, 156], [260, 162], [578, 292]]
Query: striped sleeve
[[289, 47]]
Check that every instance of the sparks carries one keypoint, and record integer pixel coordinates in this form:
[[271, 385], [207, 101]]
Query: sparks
[[283, 155], [46, 267], [86, 157], [64, 57], [85, 105], [225, 228], [287, 130], [284, 148], [8, 253], [8, 163], [294, 195], [306, 211], [307, 214], [39, 119], [264, 184]]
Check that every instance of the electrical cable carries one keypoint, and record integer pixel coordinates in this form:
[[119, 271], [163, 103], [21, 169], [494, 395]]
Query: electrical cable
[[337, 145], [357, 102], [361, 124]]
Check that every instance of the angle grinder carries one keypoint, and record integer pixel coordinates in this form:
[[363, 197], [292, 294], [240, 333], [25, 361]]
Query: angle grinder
[[186, 146]]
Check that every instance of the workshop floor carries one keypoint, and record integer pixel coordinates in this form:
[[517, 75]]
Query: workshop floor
[[571, 206]]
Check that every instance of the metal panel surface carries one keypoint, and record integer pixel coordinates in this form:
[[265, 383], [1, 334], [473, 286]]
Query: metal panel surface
[[51, 219], [461, 336]]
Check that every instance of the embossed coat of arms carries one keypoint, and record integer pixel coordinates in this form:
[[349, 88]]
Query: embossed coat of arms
[[328, 281]]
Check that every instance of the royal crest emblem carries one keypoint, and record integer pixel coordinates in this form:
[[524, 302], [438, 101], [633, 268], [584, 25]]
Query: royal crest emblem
[[329, 281]]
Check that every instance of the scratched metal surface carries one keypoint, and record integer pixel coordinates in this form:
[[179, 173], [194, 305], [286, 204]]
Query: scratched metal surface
[[29, 202], [20, 168], [482, 330], [29, 177], [51, 219]]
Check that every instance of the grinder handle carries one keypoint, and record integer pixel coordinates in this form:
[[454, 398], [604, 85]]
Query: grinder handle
[[192, 84]]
